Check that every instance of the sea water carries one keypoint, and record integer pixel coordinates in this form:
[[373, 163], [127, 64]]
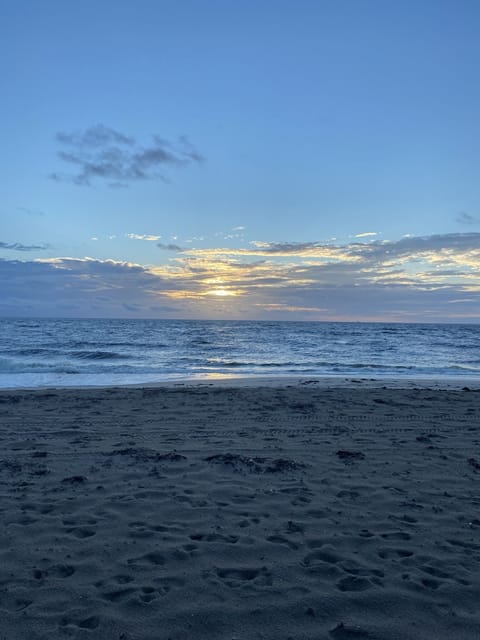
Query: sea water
[[65, 352]]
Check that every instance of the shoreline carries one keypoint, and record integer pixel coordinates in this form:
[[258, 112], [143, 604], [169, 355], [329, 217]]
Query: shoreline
[[280, 381]]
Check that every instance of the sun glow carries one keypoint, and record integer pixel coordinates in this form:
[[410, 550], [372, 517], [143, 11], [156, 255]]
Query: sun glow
[[222, 293]]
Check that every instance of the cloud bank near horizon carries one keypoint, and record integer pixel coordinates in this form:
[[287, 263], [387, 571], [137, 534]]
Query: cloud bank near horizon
[[432, 278]]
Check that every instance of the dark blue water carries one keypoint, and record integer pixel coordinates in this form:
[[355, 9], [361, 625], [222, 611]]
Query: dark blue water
[[90, 352]]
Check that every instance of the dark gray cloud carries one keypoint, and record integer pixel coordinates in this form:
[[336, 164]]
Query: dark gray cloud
[[18, 246], [105, 155], [169, 247]]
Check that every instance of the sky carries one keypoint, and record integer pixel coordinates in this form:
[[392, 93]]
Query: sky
[[263, 159]]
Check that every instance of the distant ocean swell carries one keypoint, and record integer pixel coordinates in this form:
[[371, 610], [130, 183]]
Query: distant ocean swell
[[66, 352]]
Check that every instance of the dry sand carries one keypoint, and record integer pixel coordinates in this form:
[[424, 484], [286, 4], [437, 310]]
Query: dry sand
[[302, 511]]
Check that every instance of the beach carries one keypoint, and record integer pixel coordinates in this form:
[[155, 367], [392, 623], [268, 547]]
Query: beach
[[294, 509]]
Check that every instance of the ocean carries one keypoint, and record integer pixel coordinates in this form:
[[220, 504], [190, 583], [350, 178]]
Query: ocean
[[65, 352]]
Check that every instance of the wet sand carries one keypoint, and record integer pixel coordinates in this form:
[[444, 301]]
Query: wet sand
[[302, 510]]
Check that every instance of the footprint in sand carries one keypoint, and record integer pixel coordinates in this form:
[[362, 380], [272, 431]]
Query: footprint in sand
[[61, 570], [433, 571], [388, 553], [123, 579], [13, 604], [235, 577], [167, 583], [323, 555], [82, 532], [354, 583], [90, 623], [431, 583], [152, 558], [281, 540], [54, 571], [118, 595], [347, 632], [214, 537], [148, 594], [396, 535], [140, 530], [26, 521]]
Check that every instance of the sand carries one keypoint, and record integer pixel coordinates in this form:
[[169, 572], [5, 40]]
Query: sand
[[299, 511]]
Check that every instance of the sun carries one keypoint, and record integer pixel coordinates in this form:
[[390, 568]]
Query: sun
[[221, 293]]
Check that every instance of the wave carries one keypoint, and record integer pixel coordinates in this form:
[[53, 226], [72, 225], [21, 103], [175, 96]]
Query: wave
[[237, 363], [372, 365], [312, 366], [13, 367], [85, 344], [32, 351], [98, 355], [464, 367]]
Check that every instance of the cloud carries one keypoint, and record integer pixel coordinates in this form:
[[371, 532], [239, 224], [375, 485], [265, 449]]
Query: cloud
[[97, 136], [102, 154], [132, 307], [430, 278], [366, 234], [279, 307], [31, 212], [284, 248], [75, 287], [17, 246], [412, 278], [147, 237], [169, 247], [467, 218]]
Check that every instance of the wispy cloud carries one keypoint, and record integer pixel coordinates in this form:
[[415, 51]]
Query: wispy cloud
[[97, 136], [366, 234], [31, 212], [146, 237], [18, 246], [467, 218], [284, 248], [104, 155]]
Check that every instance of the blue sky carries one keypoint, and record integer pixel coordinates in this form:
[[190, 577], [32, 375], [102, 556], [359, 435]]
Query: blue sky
[[264, 159]]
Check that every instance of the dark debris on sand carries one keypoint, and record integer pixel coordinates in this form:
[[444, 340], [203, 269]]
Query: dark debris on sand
[[142, 454], [474, 463], [14, 467], [350, 456], [74, 480], [256, 464], [11, 465]]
